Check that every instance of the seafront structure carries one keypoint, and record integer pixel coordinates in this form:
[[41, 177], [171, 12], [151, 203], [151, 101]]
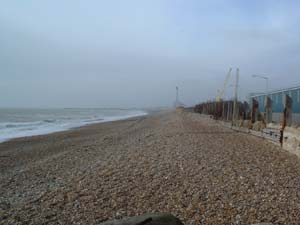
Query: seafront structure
[[274, 103], [272, 115], [272, 107]]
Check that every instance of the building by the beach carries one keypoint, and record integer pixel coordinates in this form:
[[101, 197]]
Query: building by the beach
[[277, 99]]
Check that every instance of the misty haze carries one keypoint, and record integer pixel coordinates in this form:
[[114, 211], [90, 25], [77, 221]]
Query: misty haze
[[153, 112]]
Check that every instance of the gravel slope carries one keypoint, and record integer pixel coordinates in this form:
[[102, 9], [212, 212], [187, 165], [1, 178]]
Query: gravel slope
[[182, 163]]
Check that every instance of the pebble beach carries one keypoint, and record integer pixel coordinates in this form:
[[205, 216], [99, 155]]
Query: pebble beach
[[181, 163]]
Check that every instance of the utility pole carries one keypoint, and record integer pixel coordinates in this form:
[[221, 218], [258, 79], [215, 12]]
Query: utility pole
[[235, 106], [177, 98]]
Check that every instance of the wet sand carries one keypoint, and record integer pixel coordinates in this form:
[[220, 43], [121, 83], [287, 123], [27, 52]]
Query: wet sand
[[181, 163]]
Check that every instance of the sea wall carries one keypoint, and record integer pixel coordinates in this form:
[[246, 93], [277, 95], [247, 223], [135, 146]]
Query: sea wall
[[291, 140]]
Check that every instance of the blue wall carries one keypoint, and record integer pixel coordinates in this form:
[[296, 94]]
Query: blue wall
[[278, 98]]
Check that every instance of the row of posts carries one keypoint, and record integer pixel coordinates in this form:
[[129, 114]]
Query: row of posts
[[225, 110], [268, 117], [235, 110]]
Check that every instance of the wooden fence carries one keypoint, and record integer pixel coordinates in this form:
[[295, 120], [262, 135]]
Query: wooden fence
[[228, 111]]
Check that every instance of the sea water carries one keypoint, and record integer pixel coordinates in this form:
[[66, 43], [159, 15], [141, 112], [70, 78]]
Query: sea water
[[29, 122]]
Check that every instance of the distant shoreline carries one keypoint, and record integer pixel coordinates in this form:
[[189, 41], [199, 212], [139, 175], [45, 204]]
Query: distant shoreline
[[53, 130]]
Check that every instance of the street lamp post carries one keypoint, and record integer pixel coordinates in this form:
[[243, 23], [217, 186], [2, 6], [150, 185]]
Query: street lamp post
[[267, 82], [267, 94]]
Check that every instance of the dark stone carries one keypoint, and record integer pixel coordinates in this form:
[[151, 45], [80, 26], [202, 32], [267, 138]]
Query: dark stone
[[147, 219], [263, 224]]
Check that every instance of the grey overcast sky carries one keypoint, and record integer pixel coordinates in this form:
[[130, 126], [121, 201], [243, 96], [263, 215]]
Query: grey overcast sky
[[133, 53]]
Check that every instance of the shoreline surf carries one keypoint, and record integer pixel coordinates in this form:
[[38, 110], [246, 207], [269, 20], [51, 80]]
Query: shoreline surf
[[13, 130]]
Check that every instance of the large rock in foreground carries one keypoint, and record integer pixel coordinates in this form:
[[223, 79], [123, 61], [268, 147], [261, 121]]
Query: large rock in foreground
[[147, 219]]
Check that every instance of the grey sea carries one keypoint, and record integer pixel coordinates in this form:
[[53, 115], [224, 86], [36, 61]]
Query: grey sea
[[29, 122]]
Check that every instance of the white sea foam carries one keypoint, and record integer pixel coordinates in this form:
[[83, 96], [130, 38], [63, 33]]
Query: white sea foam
[[16, 123]]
